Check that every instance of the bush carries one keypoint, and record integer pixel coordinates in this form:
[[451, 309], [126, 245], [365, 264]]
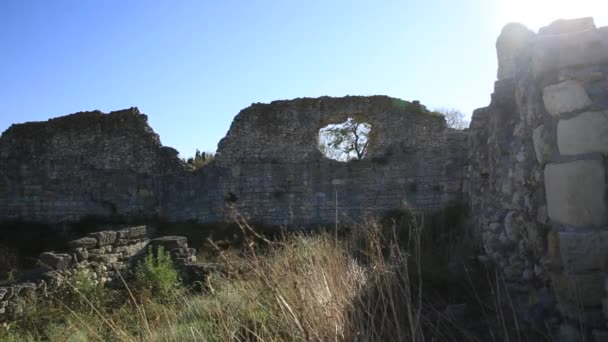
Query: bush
[[83, 293], [155, 273]]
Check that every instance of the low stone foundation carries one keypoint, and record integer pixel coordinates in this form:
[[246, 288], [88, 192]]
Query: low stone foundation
[[106, 256]]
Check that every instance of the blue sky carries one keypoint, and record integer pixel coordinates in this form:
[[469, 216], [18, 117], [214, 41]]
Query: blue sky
[[192, 65]]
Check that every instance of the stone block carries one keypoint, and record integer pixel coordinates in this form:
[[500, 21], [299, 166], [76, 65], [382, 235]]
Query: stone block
[[565, 97], [130, 250], [513, 225], [81, 255], [104, 238], [60, 262], [575, 192], [562, 26], [106, 258], [133, 232], [585, 133], [554, 52], [170, 242], [583, 252], [543, 146], [85, 242], [53, 278], [510, 45]]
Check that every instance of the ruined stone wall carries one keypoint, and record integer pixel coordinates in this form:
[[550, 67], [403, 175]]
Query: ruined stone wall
[[538, 165], [106, 257], [269, 165], [270, 162], [82, 164]]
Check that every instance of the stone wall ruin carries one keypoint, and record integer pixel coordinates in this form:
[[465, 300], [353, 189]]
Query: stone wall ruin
[[268, 165], [533, 166], [106, 257], [538, 166]]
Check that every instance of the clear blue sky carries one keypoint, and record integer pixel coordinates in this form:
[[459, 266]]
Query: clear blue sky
[[192, 65]]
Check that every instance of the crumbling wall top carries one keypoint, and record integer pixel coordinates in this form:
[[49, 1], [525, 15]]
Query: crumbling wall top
[[117, 140], [287, 131]]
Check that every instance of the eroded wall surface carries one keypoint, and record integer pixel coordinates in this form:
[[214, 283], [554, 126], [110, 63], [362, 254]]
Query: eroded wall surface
[[538, 165], [268, 166], [88, 163]]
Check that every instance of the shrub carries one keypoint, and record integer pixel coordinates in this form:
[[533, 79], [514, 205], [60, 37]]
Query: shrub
[[155, 273], [83, 293]]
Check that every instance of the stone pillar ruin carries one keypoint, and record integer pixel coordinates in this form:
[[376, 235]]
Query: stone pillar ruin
[[538, 156]]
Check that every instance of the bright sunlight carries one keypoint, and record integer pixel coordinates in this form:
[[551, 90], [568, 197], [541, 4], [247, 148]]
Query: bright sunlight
[[538, 13]]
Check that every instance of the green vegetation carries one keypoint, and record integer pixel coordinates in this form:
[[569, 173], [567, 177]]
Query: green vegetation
[[384, 280], [200, 159], [155, 274]]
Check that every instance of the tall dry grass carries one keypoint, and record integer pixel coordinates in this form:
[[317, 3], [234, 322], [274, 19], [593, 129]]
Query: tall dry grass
[[369, 286]]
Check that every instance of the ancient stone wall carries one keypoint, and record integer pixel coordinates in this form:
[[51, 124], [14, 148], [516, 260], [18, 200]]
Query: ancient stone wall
[[268, 166], [277, 174], [105, 257], [538, 166], [82, 164]]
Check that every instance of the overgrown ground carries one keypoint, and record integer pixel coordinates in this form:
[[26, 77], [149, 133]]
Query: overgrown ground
[[385, 280]]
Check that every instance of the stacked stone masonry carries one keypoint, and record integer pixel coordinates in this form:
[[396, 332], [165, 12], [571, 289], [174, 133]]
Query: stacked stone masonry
[[105, 256], [94, 164], [538, 165]]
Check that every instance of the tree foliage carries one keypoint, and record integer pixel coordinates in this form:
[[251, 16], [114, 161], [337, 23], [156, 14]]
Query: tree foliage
[[200, 159], [155, 273], [345, 141], [453, 118]]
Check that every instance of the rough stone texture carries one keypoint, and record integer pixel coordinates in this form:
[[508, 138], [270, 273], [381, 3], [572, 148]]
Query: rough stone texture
[[59, 262], [543, 146], [569, 49], [562, 26], [512, 42], [170, 242], [133, 232], [280, 177], [536, 206], [82, 164], [106, 238], [85, 242], [113, 165], [104, 264], [565, 97], [585, 133], [576, 192]]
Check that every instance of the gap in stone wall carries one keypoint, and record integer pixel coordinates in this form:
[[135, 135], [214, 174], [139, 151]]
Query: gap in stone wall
[[345, 141]]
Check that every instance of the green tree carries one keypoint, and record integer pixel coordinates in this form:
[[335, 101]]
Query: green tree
[[200, 159], [345, 141]]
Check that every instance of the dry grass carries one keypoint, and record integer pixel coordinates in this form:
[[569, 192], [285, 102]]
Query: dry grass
[[367, 287]]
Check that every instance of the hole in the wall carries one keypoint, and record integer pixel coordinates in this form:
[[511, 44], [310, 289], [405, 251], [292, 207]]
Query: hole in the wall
[[345, 141]]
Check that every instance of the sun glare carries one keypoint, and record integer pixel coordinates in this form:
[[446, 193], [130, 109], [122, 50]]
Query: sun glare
[[538, 13]]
